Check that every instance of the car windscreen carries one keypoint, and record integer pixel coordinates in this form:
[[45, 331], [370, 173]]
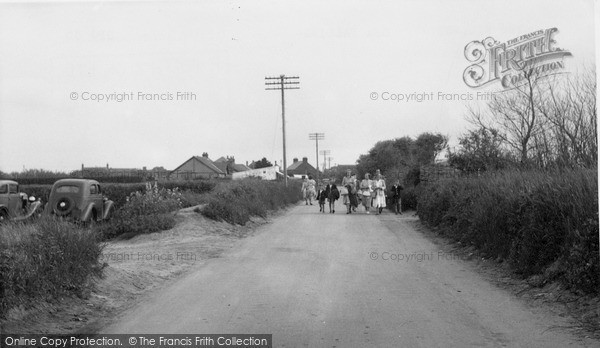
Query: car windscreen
[[67, 189]]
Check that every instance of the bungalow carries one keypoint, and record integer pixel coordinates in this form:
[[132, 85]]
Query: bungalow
[[197, 167], [228, 166], [301, 168], [265, 173]]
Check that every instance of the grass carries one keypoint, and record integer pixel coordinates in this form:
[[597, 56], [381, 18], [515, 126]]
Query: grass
[[542, 223], [45, 260]]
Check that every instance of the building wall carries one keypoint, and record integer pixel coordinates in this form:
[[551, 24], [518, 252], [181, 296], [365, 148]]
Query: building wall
[[268, 173]]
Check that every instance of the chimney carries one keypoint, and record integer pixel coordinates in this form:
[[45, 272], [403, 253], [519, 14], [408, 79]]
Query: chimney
[[305, 159], [107, 166], [246, 163], [295, 160], [205, 154]]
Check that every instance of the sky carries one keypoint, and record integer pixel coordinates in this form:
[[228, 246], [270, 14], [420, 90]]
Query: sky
[[57, 59]]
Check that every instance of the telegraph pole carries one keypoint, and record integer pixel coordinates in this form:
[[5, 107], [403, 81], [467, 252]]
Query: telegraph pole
[[282, 83], [324, 153], [329, 161], [316, 137]]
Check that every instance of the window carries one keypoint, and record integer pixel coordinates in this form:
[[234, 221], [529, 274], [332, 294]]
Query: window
[[68, 189], [93, 189], [4, 189], [13, 188]]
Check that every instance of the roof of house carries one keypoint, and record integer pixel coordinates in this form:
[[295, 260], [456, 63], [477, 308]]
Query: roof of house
[[238, 167], [295, 165], [301, 167], [205, 161], [234, 167]]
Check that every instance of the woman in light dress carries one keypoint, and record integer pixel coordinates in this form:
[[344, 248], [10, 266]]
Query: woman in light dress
[[311, 189], [365, 190], [379, 188]]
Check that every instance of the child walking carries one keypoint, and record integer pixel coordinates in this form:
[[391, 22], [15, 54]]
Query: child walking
[[321, 196], [334, 195]]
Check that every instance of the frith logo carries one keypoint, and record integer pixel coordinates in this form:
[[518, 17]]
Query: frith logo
[[509, 62]]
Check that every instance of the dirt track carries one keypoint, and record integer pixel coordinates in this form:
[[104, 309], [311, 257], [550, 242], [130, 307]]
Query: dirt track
[[335, 280]]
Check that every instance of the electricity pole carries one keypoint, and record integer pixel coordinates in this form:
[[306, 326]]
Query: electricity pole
[[317, 137], [329, 161], [324, 153], [282, 83]]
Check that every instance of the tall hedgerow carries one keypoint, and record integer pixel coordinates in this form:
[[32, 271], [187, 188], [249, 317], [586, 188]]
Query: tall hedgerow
[[237, 201], [543, 223]]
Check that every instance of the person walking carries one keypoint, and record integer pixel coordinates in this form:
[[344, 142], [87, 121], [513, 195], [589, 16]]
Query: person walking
[[379, 189], [334, 195], [304, 188], [311, 190], [322, 195], [354, 194], [349, 183], [396, 191], [365, 190]]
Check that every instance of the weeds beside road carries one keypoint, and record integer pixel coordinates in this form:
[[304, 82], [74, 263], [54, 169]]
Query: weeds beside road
[[45, 259]]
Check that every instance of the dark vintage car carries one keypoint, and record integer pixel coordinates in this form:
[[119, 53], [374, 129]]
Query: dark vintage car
[[79, 199], [14, 205]]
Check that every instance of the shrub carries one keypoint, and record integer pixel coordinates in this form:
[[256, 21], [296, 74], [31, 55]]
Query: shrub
[[236, 201], [532, 219], [39, 191], [119, 193], [409, 198], [44, 260], [147, 212]]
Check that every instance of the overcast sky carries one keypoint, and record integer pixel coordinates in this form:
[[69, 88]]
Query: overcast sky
[[53, 56]]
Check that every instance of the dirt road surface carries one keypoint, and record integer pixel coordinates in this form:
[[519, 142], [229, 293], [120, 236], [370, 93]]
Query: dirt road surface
[[337, 280]]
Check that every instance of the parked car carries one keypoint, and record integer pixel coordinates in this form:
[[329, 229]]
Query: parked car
[[79, 199], [16, 205]]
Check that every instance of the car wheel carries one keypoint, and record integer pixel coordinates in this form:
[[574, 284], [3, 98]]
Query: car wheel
[[63, 206], [3, 216]]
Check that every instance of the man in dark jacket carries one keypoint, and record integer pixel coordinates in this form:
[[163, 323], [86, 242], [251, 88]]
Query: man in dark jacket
[[396, 199]]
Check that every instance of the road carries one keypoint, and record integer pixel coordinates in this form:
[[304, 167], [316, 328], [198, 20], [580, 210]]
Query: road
[[337, 280]]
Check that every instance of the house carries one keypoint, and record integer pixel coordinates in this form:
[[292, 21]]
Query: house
[[228, 166], [266, 173], [108, 172], [159, 173], [298, 168], [197, 167]]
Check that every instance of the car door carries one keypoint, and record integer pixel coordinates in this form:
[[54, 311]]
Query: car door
[[96, 199], [4, 197], [100, 202], [14, 199]]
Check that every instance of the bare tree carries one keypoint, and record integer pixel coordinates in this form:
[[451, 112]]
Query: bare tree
[[545, 120], [571, 111]]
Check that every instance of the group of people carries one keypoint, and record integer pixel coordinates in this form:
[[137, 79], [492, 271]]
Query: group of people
[[372, 193]]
